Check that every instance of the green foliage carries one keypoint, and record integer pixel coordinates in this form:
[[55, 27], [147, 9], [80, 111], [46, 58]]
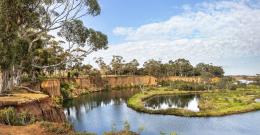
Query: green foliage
[[227, 83], [173, 133], [216, 71], [179, 67], [25, 45], [126, 126], [125, 131], [66, 90], [58, 101], [117, 65], [152, 67], [84, 133], [212, 103], [182, 85], [233, 87], [9, 116]]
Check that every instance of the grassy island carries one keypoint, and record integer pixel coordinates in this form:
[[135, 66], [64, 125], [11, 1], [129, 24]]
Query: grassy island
[[212, 103]]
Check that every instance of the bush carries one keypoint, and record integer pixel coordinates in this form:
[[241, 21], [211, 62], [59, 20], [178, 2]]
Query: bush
[[200, 87], [186, 86], [61, 129], [165, 83], [9, 116], [66, 90], [241, 85], [181, 85], [233, 87]]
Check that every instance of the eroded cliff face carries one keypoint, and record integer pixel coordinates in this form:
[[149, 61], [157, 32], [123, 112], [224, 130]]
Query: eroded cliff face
[[88, 83], [43, 109], [40, 106], [51, 87], [128, 81]]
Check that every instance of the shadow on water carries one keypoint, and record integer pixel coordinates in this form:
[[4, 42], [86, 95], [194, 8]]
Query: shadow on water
[[98, 112]]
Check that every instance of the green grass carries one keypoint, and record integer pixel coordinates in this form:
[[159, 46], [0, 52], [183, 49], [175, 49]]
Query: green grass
[[212, 103]]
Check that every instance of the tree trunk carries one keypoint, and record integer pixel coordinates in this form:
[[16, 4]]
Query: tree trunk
[[6, 82], [9, 79]]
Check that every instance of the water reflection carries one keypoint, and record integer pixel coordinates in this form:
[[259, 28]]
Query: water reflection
[[99, 111], [190, 102], [77, 108]]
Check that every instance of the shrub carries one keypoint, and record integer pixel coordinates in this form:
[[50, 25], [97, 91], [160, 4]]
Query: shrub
[[58, 101], [66, 93], [61, 129], [9, 116], [181, 85], [165, 83], [66, 90], [185, 86], [200, 87], [233, 87]]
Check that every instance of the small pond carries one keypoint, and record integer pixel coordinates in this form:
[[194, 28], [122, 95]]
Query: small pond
[[98, 112], [189, 102]]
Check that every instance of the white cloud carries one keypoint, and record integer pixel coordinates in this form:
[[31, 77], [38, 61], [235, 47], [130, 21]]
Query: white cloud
[[207, 31]]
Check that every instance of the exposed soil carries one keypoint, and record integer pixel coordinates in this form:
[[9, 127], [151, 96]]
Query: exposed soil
[[34, 129]]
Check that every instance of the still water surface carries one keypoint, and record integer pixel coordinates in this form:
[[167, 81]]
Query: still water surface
[[189, 102], [98, 112]]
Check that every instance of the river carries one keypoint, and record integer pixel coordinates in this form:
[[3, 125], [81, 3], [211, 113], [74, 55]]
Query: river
[[99, 112]]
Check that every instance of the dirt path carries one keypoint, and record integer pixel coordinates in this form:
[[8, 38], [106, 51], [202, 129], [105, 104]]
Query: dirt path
[[33, 129]]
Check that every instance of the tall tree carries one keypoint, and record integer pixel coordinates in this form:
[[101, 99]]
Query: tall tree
[[117, 64], [153, 67], [103, 66], [25, 24], [131, 67], [215, 71], [183, 66]]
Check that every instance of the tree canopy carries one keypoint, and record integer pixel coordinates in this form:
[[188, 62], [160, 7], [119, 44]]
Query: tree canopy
[[179, 67], [26, 43]]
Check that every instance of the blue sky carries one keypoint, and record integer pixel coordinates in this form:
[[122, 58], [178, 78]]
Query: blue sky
[[133, 13], [225, 33]]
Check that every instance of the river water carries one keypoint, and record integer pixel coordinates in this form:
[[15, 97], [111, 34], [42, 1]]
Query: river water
[[189, 102], [99, 112]]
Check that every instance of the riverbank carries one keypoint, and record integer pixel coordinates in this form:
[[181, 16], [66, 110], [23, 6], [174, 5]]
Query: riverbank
[[23, 113], [89, 84], [50, 128], [42, 128], [21, 108], [212, 103]]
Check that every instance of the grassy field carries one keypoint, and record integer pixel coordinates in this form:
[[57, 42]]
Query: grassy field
[[212, 103]]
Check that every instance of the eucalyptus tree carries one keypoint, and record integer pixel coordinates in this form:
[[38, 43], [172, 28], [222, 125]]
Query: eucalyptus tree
[[215, 71], [86, 69], [102, 65], [117, 63], [26, 24], [131, 67], [183, 66], [153, 67]]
